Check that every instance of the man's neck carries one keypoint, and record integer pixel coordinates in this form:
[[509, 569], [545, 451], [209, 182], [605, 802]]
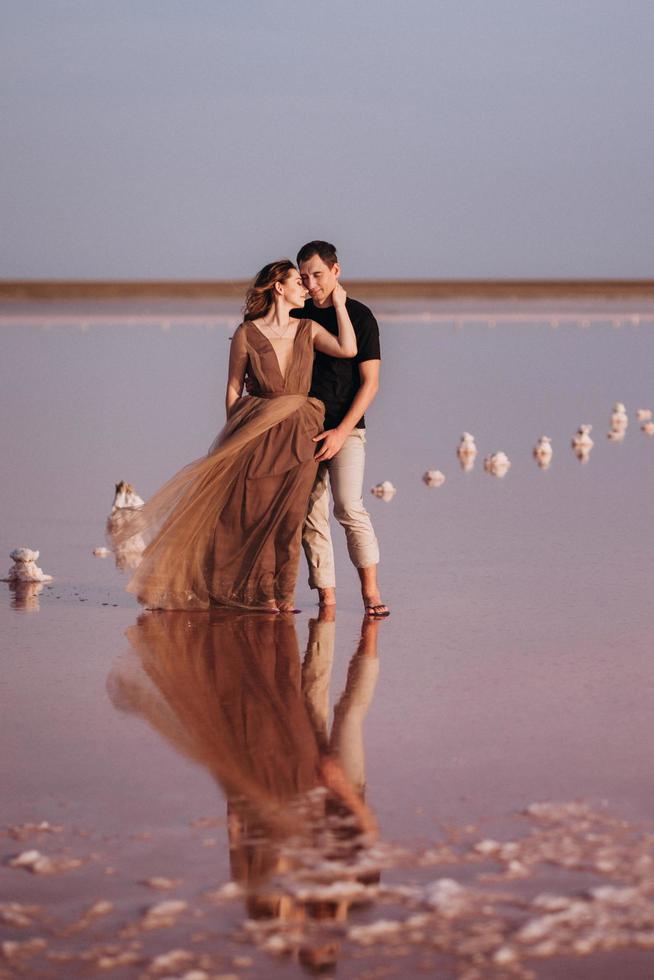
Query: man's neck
[[325, 305]]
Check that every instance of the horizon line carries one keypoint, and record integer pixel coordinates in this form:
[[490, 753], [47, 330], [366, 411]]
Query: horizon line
[[45, 289]]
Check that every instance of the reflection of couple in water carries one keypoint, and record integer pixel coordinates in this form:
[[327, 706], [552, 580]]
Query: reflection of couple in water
[[226, 530], [229, 691]]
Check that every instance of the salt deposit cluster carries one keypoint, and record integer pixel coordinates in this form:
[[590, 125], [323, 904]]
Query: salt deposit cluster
[[467, 452], [27, 579], [125, 506], [575, 882], [433, 478], [619, 423], [385, 490], [126, 498], [25, 569], [582, 443], [498, 463], [543, 452], [127, 502]]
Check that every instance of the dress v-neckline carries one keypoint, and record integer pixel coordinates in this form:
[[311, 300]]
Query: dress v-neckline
[[270, 344]]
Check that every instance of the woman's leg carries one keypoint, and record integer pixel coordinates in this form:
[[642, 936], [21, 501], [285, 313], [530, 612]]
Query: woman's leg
[[288, 535]]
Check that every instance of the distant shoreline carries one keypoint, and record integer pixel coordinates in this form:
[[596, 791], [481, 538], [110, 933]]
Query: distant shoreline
[[47, 289]]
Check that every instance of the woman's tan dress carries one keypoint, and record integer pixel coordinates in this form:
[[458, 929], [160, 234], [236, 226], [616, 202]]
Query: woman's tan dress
[[227, 528]]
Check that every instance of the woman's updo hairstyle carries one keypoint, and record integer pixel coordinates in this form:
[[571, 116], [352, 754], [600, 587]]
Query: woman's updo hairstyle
[[259, 297]]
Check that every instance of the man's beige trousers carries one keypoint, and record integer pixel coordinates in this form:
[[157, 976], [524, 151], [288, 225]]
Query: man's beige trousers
[[343, 474]]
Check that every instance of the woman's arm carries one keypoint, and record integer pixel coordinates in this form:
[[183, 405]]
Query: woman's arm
[[345, 345], [238, 360]]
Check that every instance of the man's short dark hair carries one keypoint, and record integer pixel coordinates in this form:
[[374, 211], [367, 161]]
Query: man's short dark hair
[[324, 251]]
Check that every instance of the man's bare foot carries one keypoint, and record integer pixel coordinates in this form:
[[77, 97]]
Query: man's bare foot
[[327, 597]]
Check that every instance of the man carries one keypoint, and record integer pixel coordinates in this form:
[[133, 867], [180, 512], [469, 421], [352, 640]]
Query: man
[[347, 387]]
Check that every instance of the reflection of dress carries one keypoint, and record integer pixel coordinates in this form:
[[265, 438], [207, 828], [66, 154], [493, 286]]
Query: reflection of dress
[[226, 529], [224, 688]]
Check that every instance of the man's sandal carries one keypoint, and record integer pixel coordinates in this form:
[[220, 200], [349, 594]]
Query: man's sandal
[[376, 610]]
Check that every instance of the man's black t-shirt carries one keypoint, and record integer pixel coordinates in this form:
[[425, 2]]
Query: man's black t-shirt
[[336, 380]]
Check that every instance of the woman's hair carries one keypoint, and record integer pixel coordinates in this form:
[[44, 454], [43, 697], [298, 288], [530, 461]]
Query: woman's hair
[[259, 297]]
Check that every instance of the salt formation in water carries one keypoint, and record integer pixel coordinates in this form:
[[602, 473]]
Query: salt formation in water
[[26, 595], [385, 490], [582, 437], [467, 445], [619, 417], [543, 452], [126, 503], [161, 884], [582, 443], [25, 568], [163, 914], [582, 453], [497, 464], [126, 498], [644, 414], [619, 423], [575, 883], [170, 964], [648, 428], [42, 864], [433, 478], [467, 452]]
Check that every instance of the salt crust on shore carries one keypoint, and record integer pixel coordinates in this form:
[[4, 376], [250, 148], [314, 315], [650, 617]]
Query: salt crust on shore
[[481, 925]]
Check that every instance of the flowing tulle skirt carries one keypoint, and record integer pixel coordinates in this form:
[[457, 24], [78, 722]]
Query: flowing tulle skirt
[[226, 529]]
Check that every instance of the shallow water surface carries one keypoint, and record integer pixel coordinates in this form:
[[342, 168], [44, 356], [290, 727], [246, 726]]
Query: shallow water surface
[[299, 781]]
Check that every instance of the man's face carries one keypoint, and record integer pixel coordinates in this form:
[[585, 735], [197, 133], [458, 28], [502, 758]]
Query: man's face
[[319, 278]]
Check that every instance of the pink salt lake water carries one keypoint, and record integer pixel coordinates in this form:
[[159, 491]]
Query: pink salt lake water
[[516, 666]]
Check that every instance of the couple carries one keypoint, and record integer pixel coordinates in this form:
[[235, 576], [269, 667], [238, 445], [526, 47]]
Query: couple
[[226, 530]]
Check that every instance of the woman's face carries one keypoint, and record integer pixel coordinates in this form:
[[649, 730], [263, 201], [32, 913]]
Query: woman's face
[[293, 289]]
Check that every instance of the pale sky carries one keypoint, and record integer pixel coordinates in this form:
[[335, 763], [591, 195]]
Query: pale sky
[[426, 138]]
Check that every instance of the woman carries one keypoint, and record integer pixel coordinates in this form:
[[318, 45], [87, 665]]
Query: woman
[[226, 529]]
